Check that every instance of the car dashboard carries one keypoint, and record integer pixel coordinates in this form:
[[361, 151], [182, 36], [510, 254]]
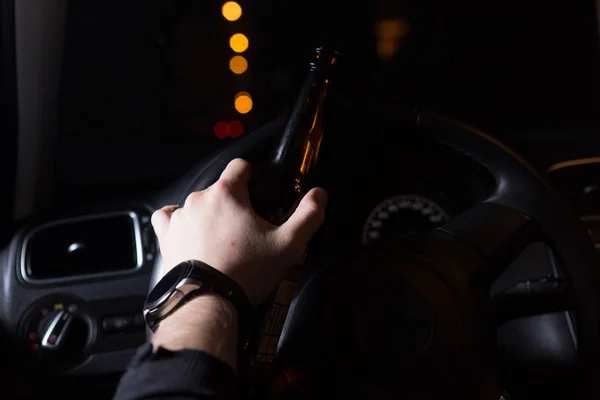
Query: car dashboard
[[81, 325]]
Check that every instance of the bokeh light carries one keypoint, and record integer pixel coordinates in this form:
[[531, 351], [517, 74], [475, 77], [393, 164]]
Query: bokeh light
[[221, 130], [231, 10], [235, 129], [239, 43], [238, 65], [389, 34], [243, 102]]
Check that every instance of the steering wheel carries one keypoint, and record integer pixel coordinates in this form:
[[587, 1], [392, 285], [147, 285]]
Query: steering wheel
[[440, 281]]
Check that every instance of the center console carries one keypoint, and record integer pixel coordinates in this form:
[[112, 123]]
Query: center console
[[74, 289]]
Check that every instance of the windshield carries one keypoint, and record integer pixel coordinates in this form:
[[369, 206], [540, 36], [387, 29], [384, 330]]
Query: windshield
[[150, 87]]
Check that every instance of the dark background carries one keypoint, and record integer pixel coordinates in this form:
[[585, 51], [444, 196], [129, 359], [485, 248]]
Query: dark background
[[144, 81], [8, 116]]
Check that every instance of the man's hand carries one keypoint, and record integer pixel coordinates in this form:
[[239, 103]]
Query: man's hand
[[219, 227]]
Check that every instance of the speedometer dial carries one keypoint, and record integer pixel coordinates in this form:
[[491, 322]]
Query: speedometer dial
[[404, 215]]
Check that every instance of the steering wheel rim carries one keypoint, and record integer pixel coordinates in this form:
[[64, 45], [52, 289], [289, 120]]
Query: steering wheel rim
[[520, 189]]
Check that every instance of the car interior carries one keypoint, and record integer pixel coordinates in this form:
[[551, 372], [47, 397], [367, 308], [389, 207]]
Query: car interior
[[460, 255]]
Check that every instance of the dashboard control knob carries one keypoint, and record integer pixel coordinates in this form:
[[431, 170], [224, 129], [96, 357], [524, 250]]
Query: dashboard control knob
[[56, 332], [59, 332]]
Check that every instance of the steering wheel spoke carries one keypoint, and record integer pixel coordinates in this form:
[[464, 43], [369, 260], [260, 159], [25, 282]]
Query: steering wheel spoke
[[531, 298], [498, 234]]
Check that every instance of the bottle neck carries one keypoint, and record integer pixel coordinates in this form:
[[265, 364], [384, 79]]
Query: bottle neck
[[294, 159], [301, 138]]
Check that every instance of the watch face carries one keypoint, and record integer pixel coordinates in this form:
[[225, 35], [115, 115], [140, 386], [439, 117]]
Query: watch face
[[166, 285]]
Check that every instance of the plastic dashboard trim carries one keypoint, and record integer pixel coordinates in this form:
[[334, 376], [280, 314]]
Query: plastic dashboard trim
[[18, 295]]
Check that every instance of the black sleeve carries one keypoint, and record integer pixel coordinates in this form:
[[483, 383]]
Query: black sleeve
[[185, 374]]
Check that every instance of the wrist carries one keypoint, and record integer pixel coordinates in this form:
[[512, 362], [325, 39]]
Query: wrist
[[207, 323], [185, 279]]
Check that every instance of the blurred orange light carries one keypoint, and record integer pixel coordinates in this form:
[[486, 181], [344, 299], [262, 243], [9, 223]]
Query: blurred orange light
[[239, 42], [238, 64], [231, 10], [389, 33], [243, 102]]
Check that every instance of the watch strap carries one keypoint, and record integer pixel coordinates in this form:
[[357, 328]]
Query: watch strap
[[214, 281], [205, 279]]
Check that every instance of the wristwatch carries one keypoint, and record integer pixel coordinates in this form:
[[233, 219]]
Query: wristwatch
[[186, 281]]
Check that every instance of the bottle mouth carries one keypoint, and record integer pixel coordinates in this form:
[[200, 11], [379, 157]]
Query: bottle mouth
[[325, 58]]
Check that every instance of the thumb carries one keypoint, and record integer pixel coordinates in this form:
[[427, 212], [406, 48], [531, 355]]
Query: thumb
[[307, 218], [161, 219]]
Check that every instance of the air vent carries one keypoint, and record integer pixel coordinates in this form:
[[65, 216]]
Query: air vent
[[93, 245]]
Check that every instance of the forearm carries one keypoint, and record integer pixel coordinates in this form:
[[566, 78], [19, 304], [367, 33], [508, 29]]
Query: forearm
[[207, 323], [192, 355]]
